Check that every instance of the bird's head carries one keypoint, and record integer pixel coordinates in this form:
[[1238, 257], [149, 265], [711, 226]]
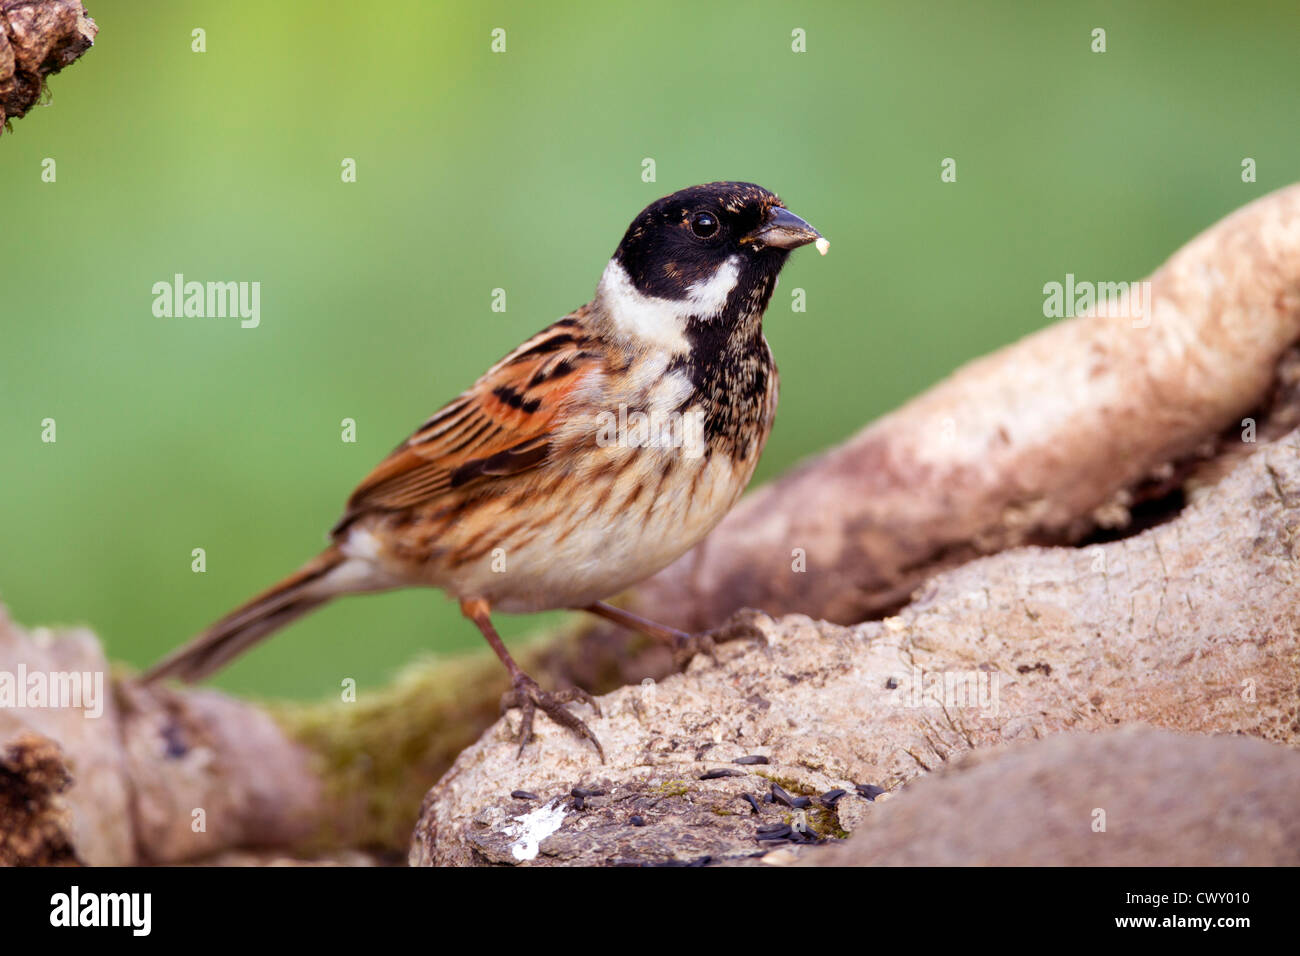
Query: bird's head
[[707, 254]]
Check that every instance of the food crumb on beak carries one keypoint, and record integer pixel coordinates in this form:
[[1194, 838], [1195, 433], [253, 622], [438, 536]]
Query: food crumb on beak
[[823, 245]]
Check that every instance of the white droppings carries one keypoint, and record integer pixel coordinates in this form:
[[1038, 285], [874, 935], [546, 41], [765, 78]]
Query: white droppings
[[532, 828]]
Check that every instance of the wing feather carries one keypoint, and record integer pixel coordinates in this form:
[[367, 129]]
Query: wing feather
[[499, 427]]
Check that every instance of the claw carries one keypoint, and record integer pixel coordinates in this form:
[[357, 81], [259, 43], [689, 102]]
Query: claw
[[743, 625], [529, 698], [688, 645]]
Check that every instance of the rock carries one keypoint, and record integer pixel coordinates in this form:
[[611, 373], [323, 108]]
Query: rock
[[86, 733], [1190, 625], [667, 736], [1164, 799], [212, 773], [121, 770]]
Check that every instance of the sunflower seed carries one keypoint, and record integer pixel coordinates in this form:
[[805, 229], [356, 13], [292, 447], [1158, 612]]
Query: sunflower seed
[[780, 796], [869, 790], [721, 772]]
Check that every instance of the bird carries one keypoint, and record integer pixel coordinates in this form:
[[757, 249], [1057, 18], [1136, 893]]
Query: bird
[[584, 461]]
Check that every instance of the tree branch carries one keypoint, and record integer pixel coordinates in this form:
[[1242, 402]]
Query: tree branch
[[38, 38]]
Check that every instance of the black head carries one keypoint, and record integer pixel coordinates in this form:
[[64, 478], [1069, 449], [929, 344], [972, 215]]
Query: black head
[[681, 241]]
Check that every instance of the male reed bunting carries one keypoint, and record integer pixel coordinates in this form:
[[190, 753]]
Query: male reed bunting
[[525, 466]]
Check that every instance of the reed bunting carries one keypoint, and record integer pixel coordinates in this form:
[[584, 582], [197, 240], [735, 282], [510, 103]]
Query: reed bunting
[[587, 459]]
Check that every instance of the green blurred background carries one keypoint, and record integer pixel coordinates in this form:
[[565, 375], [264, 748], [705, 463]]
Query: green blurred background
[[521, 170]]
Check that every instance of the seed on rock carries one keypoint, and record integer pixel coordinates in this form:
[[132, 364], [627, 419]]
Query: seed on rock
[[749, 798], [721, 772], [831, 797], [751, 759], [523, 795], [869, 790], [800, 803], [780, 796], [774, 831], [637, 821], [584, 792]]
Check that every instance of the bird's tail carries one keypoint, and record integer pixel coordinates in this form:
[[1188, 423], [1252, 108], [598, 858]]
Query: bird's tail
[[301, 592]]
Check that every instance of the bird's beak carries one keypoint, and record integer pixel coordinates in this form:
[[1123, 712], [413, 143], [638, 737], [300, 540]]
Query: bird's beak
[[785, 230]]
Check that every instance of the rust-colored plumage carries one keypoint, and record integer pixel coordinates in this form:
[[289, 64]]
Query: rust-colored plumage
[[590, 457]]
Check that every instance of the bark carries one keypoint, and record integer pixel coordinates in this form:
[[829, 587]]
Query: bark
[[34, 827], [38, 38]]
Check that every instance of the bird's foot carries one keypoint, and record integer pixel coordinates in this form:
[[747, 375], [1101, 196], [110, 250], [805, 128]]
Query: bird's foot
[[530, 698], [743, 625]]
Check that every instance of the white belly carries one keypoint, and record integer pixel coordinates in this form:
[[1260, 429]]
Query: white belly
[[579, 559]]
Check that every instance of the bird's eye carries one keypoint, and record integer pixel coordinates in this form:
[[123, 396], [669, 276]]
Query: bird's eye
[[704, 224]]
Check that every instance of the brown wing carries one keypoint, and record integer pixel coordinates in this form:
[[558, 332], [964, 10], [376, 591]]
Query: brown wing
[[501, 426]]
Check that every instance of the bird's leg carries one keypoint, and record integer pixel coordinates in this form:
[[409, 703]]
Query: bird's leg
[[742, 624], [524, 692]]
